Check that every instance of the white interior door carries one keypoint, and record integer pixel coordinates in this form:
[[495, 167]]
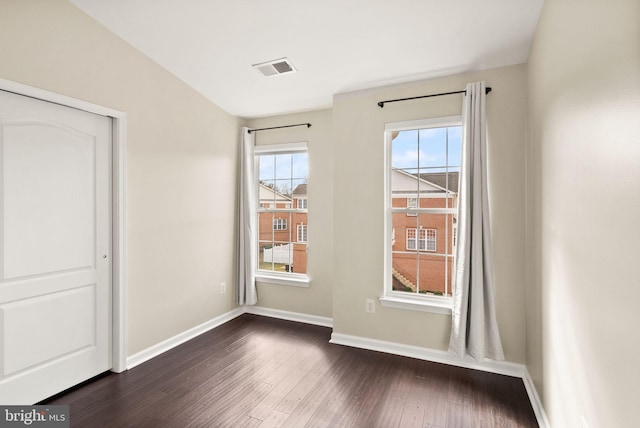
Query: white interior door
[[55, 235]]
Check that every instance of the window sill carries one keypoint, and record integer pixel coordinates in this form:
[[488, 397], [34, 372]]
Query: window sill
[[290, 279], [439, 306]]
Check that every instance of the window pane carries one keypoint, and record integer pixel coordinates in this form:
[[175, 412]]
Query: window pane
[[282, 236], [452, 184], [404, 252], [435, 260], [404, 271], [424, 172], [300, 166], [276, 256], [404, 152], [266, 194], [433, 272], [299, 188], [265, 227], [423, 259], [283, 187], [454, 145], [283, 166], [266, 167], [433, 148]]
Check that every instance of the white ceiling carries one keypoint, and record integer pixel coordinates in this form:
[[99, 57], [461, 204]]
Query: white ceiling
[[336, 45]]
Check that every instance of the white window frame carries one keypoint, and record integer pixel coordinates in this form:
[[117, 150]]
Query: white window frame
[[301, 233], [281, 278], [430, 240], [280, 224], [301, 203], [421, 239], [411, 243], [412, 203], [390, 297]]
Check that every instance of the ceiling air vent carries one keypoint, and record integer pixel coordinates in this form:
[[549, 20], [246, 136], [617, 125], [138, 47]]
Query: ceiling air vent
[[275, 67]]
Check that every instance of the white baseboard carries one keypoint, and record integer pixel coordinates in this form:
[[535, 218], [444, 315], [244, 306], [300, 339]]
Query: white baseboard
[[179, 339], [536, 403], [434, 355], [437, 356], [290, 316]]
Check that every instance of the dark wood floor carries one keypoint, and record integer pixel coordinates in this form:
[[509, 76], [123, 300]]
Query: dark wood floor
[[257, 371]]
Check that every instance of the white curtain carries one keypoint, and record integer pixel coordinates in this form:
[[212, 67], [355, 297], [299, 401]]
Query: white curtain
[[247, 232], [474, 330]]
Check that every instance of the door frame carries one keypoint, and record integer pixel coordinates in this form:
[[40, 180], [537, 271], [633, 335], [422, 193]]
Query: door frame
[[118, 208]]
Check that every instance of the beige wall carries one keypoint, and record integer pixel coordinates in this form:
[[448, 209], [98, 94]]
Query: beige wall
[[317, 299], [583, 187], [566, 291], [359, 206], [181, 154]]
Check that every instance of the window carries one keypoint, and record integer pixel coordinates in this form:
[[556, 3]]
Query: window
[[282, 172], [422, 169], [411, 239], [302, 233], [280, 224], [412, 203], [430, 239], [426, 239]]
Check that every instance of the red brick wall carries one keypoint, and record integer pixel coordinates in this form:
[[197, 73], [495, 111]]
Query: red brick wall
[[300, 258], [431, 267]]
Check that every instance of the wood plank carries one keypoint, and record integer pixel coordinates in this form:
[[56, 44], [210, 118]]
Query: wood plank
[[414, 405], [288, 381], [289, 403], [275, 419]]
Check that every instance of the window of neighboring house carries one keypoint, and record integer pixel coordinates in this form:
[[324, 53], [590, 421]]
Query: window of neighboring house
[[302, 204], [412, 203], [282, 172], [429, 240], [411, 239], [302, 233], [280, 224], [422, 169], [421, 239]]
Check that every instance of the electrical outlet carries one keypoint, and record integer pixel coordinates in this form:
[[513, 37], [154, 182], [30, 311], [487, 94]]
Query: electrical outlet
[[370, 305], [223, 287]]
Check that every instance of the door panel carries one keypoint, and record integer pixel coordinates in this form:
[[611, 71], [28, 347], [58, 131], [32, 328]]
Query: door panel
[[31, 338], [55, 229], [49, 200]]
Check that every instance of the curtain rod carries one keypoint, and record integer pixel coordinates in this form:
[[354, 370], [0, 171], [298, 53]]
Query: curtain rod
[[382, 103], [308, 125]]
